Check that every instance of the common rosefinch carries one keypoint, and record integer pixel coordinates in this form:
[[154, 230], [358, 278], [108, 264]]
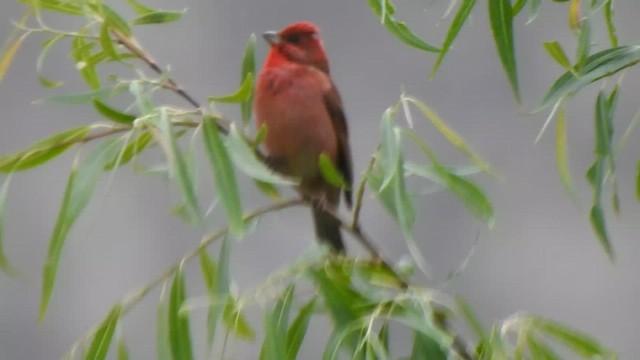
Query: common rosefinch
[[297, 100]]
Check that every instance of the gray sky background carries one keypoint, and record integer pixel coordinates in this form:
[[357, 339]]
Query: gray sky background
[[541, 257]]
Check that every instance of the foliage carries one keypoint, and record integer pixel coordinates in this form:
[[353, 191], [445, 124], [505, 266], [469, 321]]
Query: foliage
[[367, 300]]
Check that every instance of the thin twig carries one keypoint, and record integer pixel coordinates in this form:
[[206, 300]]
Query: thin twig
[[355, 223]]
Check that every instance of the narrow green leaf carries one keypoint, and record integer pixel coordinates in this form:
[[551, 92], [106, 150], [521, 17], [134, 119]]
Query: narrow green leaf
[[102, 340], [384, 336], [81, 52], [224, 176], [600, 227], [248, 67], [472, 318], [562, 157], [535, 10], [611, 25], [131, 150], [123, 351], [55, 6], [180, 168], [107, 43], [80, 186], [384, 10], [163, 350], [115, 21], [139, 8], [425, 348], [501, 17], [389, 148], [235, 321], [43, 150], [208, 269], [329, 172], [595, 67], [246, 160], [557, 53], [454, 139], [9, 54], [454, 29], [584, 43], [274, 345], [243, 93], [179, 333], [158, 17], [539, 350], [579, 342], [298, 329], [75, 99], [638, 181], [143, 100], [5, 265], [517, 7], [113, 114]]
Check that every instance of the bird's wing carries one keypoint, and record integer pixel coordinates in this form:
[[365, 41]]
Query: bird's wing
[[334, 108]]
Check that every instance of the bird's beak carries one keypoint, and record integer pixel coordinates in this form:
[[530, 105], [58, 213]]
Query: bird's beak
[[271, 37]]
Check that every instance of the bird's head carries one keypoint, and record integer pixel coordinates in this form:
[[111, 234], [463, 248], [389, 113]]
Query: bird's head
[[299, 43]]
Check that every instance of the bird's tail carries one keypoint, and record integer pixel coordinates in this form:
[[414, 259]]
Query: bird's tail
[[328, 229]]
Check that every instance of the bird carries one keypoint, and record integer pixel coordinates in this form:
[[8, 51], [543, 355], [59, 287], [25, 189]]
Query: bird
[[298, 102]]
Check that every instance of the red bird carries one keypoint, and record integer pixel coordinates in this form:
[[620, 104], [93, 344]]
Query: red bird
[[298, 102]]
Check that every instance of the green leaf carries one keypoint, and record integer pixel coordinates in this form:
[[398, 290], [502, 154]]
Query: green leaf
[[158, 17], [113, 114], [9, 54], [390, 149], [163, 350], [584, 43], [43, 150], [81, 52], [139, 8], [454, 29], [557, 53], [472, 318], [80, 186], [535, 10], [425, 348], [5, 265], [384, 10], [578, 342], [143, 100], [235, 321], [248, 67], [246, 160], [224, 175], [274, 345], [539, 350], [243, 94], [115, 21], [180, 168], [600, 227], [298, 329], [638, 181], [562, 158], [454, 139], [216, 279], [467, 192], [329, 172], [595, 67], [179, 333], [123, 352], [132, 149], [75, 99], [102, 340], [611, 25], [517, 7], [107, 43], [501, 17]]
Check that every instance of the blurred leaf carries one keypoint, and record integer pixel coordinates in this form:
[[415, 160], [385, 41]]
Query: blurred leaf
[[535, 10], [500, 14], [454, 29], [472, 319], [584, 43], [43, 150], [179, 334], [425, 348], [420, 318], [9, 54], [158, 17], [81, 52], [330, 173], [574, 14], [139, 8], [5, 265], [578, 342], [75, 99], [268, 189], [132, 149], [243, 94], [611, 25], [539, 350], [102, 340], [384, 10], [107, 43], [143, 100], [274, 345], [163, 350], [557, 53], [209, 274], [123, 352], [180, 167], [638, 181], [562, 158], [80, 186], [454, 139], [246, 160], [64, 7], [113, 114], [298, 329], [383, 335], [248, 67], [390, 149], [236, 322], [216, 279], [224, 175], [595, 67], [114, 20], [517, 7]]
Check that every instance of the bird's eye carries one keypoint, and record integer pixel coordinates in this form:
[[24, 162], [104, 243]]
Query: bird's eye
[[294, 39]]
